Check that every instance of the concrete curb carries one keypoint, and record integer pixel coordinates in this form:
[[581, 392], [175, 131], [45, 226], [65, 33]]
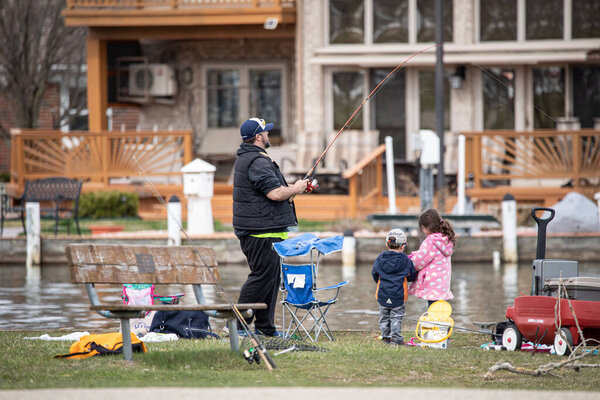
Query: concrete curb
[[292, 393]]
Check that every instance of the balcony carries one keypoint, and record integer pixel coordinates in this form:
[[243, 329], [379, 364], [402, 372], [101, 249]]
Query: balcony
[[181, 13]]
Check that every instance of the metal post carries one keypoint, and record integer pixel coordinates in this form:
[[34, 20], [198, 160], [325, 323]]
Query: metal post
[[439, 97], [174, 221], [426, 186], [390, 175], [34, 248], [234, 343], [509, 228], [126, 332]]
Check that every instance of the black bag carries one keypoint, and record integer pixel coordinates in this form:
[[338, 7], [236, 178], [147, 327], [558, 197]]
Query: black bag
[[500, 327], [185, 324]]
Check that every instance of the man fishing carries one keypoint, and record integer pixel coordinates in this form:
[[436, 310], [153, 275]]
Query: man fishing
[[262, 212]]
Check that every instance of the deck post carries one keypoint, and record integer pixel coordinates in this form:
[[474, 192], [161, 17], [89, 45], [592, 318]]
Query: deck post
[[509, 228], [391, 177], [174, 221], [97, 81], [34, 248]]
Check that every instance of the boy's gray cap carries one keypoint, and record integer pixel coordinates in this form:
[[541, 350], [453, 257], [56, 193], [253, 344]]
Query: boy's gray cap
[[396, 236]]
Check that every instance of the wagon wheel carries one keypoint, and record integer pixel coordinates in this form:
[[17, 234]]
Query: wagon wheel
[[511, 338], [563, 342]]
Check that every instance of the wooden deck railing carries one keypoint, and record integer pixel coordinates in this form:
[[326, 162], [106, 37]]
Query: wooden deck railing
[[99, 156], [498, 158], [365, 180], [175, 4]]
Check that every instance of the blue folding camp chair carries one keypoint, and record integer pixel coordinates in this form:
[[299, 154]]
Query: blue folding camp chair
[[299, 283]]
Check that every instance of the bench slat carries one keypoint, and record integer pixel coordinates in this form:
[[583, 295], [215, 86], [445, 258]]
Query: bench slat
[[179, 307], [97, 263]]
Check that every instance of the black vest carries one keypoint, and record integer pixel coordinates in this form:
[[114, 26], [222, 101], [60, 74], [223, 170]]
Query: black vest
[[252, 209]]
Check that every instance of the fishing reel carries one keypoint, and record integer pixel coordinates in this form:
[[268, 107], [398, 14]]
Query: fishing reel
[[311, 185], [251, 355]]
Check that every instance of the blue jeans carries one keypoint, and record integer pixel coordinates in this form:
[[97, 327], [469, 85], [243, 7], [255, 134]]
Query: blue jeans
[[390, 323]]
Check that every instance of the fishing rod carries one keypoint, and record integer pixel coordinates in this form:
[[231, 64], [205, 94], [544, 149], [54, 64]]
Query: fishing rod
[[311, 172], [259, 348]]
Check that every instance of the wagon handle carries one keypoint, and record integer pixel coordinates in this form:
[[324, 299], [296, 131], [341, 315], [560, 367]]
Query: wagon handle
[[542, 224]]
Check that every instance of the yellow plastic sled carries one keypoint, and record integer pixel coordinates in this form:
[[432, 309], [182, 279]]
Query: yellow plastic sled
[[435, 326]]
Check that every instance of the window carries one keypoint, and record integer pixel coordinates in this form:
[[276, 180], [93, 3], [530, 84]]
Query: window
[[73, 112], [497, 20], [427, 100], [386, 21], [347, 96], [498, 98], [586, 94], [548, 96], [237, 92], [538, 19], [544, 19], [390, 21], [586, 19], [388, 109], [266, 99], [346, 21], [426, 20], [223, 92]]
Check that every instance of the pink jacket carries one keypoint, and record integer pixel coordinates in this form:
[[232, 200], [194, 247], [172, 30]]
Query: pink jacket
[[432, 260]]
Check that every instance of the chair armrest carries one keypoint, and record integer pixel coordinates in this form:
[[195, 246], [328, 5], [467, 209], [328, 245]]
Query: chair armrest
[[339, 285]]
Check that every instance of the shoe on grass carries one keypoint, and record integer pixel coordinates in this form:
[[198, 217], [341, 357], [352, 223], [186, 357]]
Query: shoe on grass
[[278, 334]]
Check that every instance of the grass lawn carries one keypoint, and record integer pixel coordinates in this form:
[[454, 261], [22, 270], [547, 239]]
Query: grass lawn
[[355, 359]]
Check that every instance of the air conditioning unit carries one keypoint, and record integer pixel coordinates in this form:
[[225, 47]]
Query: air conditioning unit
[[151, 80]]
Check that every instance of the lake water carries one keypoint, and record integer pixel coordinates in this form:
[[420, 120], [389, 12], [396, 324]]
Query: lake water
[[44, 299]]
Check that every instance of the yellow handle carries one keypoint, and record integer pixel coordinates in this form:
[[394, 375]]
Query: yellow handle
[[437, 328]]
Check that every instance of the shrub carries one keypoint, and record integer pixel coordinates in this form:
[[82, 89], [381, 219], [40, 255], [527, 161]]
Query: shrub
[[108, 204]]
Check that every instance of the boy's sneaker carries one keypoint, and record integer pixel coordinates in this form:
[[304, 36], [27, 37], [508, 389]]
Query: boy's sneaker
[[385, 340], [397, 342]]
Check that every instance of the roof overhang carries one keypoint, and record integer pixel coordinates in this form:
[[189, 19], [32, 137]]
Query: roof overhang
[[177, 17]]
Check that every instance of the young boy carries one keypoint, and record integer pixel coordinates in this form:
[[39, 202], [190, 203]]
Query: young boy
[[391, 270]]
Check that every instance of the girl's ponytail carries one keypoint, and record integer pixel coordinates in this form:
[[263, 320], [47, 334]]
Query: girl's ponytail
[[446, 230], [433, 221]]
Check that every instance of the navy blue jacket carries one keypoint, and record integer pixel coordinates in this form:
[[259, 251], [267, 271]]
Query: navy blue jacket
[[255, 175], [391, 271]]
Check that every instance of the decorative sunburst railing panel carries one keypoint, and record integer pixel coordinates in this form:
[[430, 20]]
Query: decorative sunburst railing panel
[[99, 156], [498, 156]]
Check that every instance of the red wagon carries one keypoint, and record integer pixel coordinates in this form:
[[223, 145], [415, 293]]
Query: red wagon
[[536, 317]]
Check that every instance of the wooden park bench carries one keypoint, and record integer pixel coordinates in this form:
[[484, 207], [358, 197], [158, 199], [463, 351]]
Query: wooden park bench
[[58, 198], [93, 264]]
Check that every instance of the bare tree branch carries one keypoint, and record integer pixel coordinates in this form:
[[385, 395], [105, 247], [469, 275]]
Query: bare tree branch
[[546, 369], [36, 49]]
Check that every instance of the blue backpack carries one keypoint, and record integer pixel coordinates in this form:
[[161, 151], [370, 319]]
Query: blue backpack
[[185, 324]]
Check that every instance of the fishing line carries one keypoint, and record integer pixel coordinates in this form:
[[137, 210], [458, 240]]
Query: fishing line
[[311, 171], [594, 149], [245, 326]]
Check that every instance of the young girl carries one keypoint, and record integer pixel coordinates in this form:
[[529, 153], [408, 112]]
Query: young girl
[[432, 260]]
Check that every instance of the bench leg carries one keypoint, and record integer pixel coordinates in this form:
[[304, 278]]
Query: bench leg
[[234, 342], [127, 350]]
